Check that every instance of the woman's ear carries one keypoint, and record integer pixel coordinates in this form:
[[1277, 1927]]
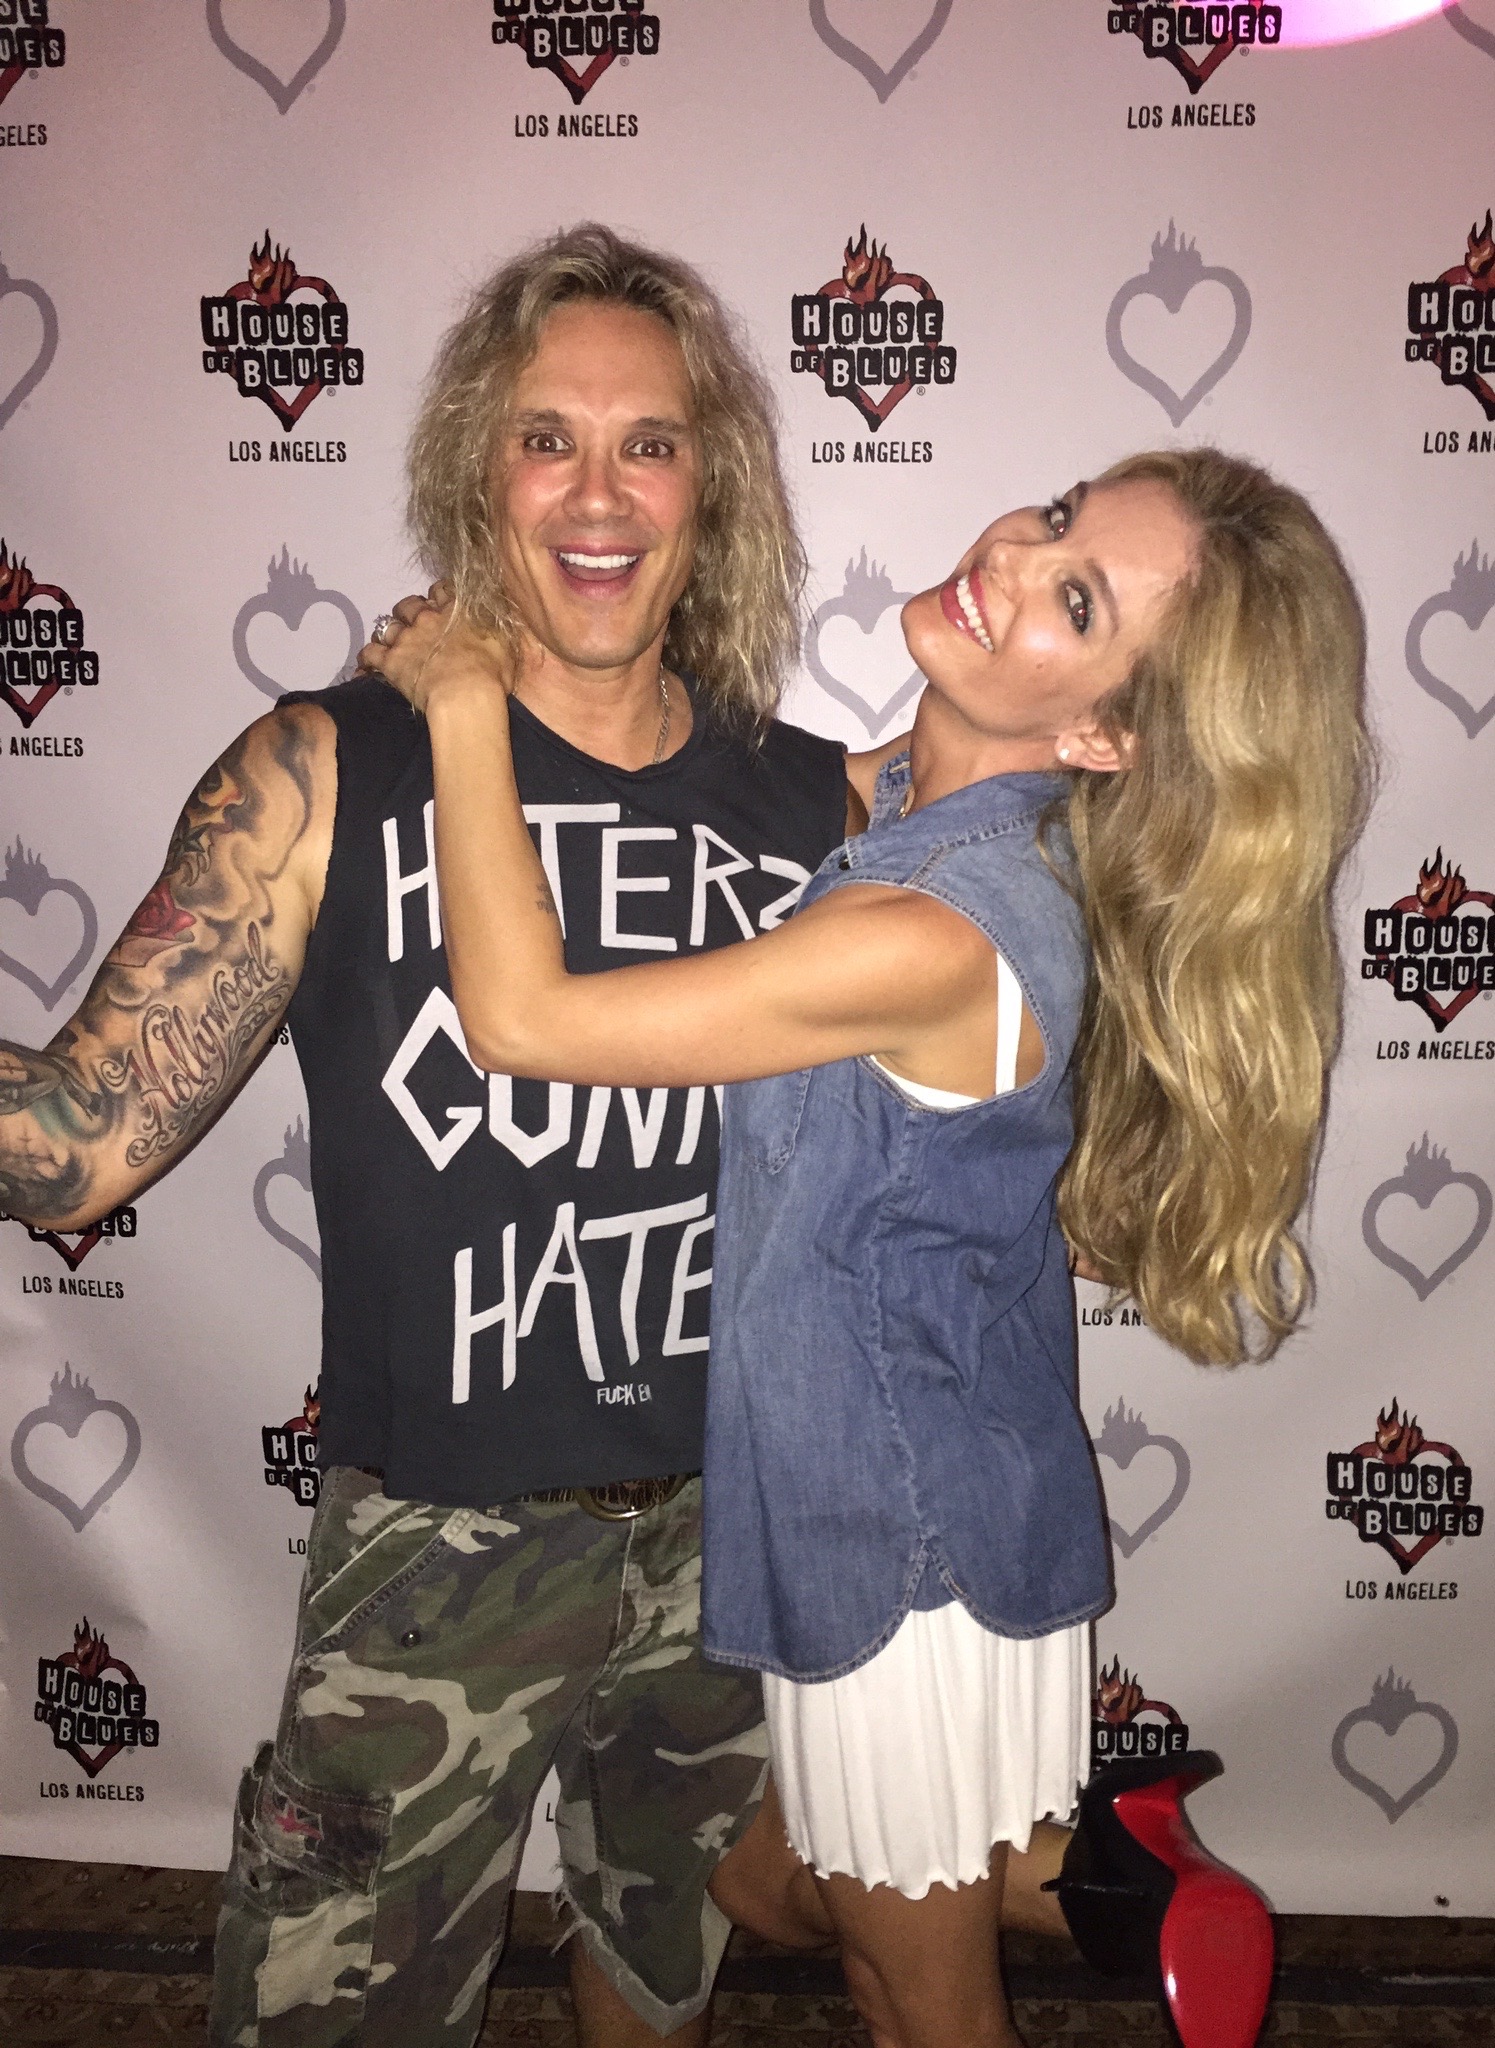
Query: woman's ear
[[1092, 746]]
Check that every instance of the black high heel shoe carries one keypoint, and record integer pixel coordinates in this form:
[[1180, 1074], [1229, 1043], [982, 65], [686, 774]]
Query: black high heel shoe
[[1142, 1895]]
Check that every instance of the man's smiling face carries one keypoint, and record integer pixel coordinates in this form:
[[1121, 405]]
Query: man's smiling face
[[596, 483]]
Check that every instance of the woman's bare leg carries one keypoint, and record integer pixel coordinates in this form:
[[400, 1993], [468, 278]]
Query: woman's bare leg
[[924, 1972], [762, 1885], [1025, 1905]]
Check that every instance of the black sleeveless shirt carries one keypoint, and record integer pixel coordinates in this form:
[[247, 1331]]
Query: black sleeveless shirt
[[516, 1274]]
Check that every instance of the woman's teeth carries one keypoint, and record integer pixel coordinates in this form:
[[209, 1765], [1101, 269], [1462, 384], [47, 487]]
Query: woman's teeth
[[574, 561], [971, 615]]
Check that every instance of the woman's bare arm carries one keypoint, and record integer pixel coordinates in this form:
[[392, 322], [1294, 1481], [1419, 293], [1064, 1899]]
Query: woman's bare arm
[[868, 970]]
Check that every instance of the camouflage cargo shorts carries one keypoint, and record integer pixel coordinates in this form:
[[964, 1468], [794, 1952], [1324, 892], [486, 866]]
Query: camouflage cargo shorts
[[445, 1659]]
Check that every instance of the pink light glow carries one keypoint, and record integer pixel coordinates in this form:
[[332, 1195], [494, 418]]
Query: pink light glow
[[1309, 24]]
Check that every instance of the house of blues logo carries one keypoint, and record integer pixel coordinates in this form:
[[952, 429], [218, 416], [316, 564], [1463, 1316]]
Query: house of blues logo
[[73, 1246], [872, 333], [282, 337], [1125, 1724], [1435, 945], [93, 1703], [28, 41], [41, 640], [1451, 322], [1403, 1490], [576, 39], [291, 1452], [1197, 40]]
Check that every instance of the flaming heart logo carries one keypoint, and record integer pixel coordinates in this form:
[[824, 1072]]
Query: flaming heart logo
[[277, 331], [1165, 33], [294, 1164], [73, 1249], [284, 92], [550, 40], [1175, 271], [41, 362], [1391, 1705], [1424, 1178], [865, 598], [1122, 1436], [852, 334], [883, 83], [91, 1715], [290, 592], [1427, 942], [1383, 1488], [44, 646], [28, 883], [71, 1408], [28, 45], [1463, 23], [1470, 596]]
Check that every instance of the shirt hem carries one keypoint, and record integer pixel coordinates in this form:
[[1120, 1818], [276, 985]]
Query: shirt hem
[[754, 1660]]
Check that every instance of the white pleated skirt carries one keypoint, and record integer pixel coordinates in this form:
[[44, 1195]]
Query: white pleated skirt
[[909, 1770]]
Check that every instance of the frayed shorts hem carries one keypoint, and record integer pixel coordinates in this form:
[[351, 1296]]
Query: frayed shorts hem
[[652, 2010]]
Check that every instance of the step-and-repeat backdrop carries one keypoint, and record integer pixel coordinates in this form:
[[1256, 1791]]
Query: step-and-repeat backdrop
[[232, 232]]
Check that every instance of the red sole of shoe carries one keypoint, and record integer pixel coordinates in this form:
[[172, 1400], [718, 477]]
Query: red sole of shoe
[[1217, 1946]]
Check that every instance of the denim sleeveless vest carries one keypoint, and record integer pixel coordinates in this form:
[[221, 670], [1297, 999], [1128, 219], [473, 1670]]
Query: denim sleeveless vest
[[892, 1416]]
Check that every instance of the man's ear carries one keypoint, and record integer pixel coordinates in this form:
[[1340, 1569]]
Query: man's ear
[[1092, 746]]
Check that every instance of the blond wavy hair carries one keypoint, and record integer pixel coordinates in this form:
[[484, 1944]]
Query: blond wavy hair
[[1207, 869], [736, 625]]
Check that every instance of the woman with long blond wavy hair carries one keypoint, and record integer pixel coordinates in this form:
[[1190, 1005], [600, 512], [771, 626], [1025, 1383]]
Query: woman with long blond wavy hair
[[1076, 981]]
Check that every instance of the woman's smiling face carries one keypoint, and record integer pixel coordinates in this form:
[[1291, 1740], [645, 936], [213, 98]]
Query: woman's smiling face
[[1045, 615]]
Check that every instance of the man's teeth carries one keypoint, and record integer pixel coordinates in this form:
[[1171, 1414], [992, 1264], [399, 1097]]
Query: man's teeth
[[969, 612], [575, 561]]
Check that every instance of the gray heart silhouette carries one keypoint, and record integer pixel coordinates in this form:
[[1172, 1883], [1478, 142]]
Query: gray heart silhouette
[[1470, 595], [1122, 1436], [285, 94], [867, 594], [1424, 1177], [28, 883], [1392, 1701], [1175, 269], [1471, 30], [883, 83], [73, 1402], [290, 592], [294, 1164], [26, 383]]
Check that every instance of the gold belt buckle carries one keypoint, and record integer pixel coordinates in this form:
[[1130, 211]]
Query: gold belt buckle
[[626, 1499]]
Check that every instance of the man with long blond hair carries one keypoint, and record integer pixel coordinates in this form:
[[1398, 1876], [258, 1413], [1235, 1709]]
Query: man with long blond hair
[[504, 1568]]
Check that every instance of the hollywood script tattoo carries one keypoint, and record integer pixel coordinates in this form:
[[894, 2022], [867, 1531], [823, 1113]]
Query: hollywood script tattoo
[[181, 1066]]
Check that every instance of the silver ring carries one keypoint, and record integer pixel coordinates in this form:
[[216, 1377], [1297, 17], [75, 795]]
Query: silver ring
[[381, 626]]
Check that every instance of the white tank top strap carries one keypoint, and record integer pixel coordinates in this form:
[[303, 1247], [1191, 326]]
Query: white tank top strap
[[1009, 1026], [1009, 1030]]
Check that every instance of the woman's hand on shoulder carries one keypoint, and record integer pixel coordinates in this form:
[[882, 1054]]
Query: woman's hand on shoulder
[[424, 646]]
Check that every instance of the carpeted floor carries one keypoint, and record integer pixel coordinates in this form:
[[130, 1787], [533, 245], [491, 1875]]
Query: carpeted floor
[[94, 1953]]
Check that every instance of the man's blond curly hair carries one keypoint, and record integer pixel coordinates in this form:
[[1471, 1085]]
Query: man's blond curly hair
[[736, 625]]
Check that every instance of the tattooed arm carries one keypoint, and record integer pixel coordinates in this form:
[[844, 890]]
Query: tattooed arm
[[186, 1001]]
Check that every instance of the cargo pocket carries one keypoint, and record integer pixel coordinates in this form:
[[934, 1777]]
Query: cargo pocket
[[296, 1930], [293, 1842]]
